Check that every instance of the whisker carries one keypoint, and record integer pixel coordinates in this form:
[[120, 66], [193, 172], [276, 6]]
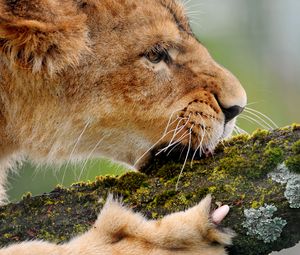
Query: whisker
[[190, 12], [194, 9], [194, 12], [174, 147], [88, 158], [195, 21], [37, 170], [204, 133], [185, 160], [74, 148], [263, 115], [176, 131], [200, 147], [193, 6], [201, 150], [181, 128], [60, 131], [184, 135], [259, 118], [185, 2], [241, 131], [236, 131], [145, 153], [252, 103], [195, 152], [243, 115], [171, 143], [246, 117], [169, 121], [174, 135]]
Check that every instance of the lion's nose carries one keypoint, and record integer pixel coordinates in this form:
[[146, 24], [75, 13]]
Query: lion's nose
[[231, 97], [231, 112]]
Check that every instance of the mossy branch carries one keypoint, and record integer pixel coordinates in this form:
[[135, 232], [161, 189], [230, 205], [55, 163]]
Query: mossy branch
[[260, 171]]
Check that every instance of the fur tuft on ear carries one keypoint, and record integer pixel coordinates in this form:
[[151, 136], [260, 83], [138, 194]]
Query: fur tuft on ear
[[42, 35]]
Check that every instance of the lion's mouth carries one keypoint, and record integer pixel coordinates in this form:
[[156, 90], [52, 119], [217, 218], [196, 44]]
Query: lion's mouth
[[195, 133], [192, 133]]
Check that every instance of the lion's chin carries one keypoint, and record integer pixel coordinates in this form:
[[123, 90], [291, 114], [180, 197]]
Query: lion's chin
[[219, 133], [228, 129], [194, 146]]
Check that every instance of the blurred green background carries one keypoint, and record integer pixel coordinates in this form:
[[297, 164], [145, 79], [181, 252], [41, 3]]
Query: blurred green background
[[258, 40]]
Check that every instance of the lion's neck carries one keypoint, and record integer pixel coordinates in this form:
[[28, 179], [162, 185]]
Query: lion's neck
[[7, 145]]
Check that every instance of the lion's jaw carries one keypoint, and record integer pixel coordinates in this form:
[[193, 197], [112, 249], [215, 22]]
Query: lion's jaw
[[112, 97]]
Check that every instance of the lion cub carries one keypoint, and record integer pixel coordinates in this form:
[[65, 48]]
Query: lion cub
[[112, 78]]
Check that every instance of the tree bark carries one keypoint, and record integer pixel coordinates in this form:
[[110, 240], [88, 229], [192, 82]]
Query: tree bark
[[255, 171]]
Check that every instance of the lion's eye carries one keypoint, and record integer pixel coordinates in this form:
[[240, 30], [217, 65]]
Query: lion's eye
[[157, 55]]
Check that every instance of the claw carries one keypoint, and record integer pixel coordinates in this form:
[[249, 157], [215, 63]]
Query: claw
[[219, 214]]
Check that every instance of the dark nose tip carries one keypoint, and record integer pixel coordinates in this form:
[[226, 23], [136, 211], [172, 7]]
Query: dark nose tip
[[232, 112]]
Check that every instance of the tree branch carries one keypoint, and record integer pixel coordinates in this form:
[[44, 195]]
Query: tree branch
[[246, 172]]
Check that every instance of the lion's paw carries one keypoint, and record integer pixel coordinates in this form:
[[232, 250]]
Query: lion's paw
[[120, 231]]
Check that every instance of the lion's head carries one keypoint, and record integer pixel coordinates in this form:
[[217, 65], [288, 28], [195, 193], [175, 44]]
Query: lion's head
[[86, 78]]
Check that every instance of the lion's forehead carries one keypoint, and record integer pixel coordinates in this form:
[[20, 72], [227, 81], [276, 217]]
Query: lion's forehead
[[146, 13], [139, 25]]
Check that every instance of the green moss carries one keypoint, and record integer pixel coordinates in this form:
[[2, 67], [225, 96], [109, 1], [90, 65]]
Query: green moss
[[212, 189], [273, 155], [8, 236], [26, 196], [273, 152], [293, 163], [241, 159], [131, 181], [170, 170], [162, 198], [201, 192], [231, 189], [183, 199], [255, 204], [235, 175], [219, 173], [78, 228], [48, 236], [105, 181], [296, 147], [295, 127], [259, 134], [154, 215]]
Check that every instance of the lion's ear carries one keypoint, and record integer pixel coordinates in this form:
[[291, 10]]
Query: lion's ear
[[42, 35]]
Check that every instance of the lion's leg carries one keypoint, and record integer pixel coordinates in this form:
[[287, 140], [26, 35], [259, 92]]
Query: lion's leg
[[99, 240], [33, 248], [190, 228], [118, 230]]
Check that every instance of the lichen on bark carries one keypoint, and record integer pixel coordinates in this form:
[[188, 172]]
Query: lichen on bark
[[261, 224], [237, 175]]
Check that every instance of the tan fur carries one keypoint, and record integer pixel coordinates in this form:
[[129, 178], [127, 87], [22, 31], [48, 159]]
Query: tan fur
[[76, 81], [120, 231]]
